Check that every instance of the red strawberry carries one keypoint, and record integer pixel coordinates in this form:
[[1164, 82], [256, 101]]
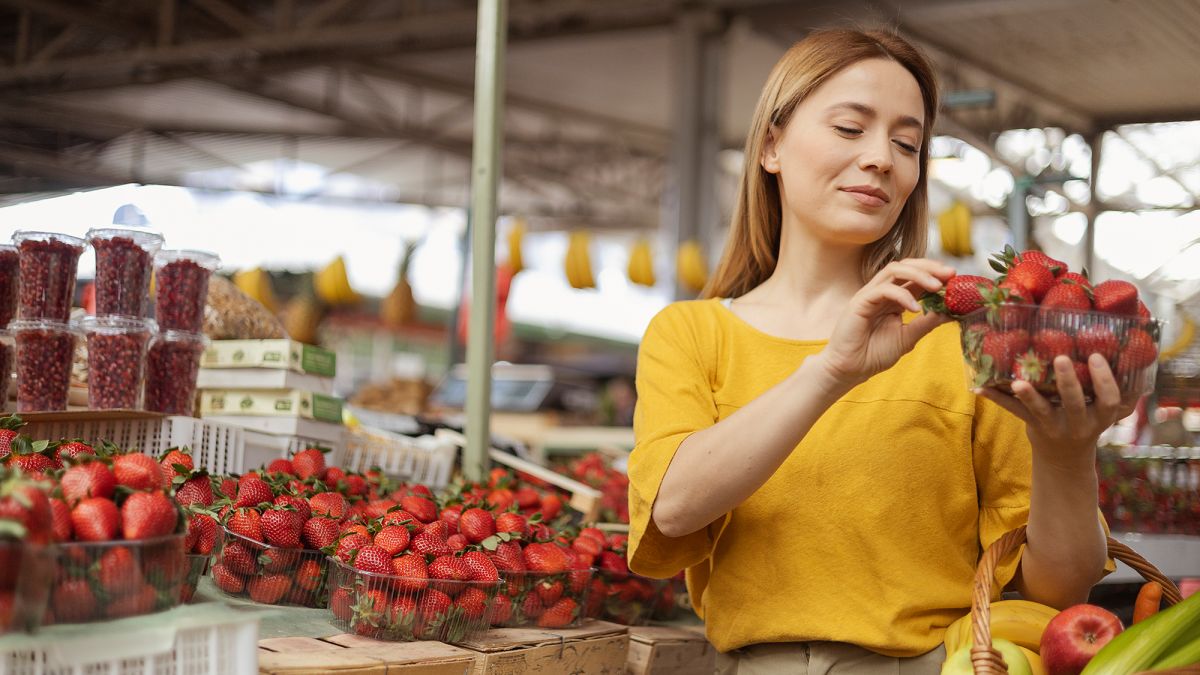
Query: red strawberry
[[476, 525], [964, 293], [433, 605], [508, 557], [32, 464], [372, 558], [1033, 278], [70, 450], [202, 532], [282, 528], [319, 532], [1003, 347], [473, 603], [429, 543], [549, 591], [23, 502], [449, 568], [402, 613], [349, 545], [1116, 297], [480, 566], [526, 497], [1057, 268], [140, 601], [90, 479], [501, 611], [587, 545], [253, 492], [545, 558], [1067, 296], [451, 515], [1084, 375], [8, 431], [1138, 352], [196, 489], [392, 538], [423, 509], [269, 589], [1049, 343], [401, 517], [308, 575], [551, 506], [118, 571], [614, 564], [74, 602], [60, 517], [1076, 278], [331, 504], [138, 472], [247, 523], [171, 459], [146, 515], [356, 485], [308, 463], [299, 504], [228, 580], [228, 487], [1096, 339], [281, 465], [512, 522], [532, 606], [341, 604], [457, 542], [1032, 368], [413, 572], [95, 519], [560, 615], [238, 558], [1143, 311]]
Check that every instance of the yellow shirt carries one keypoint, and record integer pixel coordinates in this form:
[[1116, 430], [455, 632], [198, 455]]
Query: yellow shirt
[[870, 531]]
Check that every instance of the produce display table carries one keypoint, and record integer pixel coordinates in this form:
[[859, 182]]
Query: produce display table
[[1175, 555]]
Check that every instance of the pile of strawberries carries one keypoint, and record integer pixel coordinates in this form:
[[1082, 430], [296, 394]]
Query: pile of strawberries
[[25, 528], [1015, 326], [593, 469]]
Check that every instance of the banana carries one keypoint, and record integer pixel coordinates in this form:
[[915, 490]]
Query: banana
[[1018, 621], [1035, 661], [1187, 333], [332, 285], [641, 264], [256, 283], [516, 235], [692, 270], [578, 262], [964, 229], [954, 226]]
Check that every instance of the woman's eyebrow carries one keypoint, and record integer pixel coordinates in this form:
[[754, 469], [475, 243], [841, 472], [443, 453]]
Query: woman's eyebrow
[[863, 108]]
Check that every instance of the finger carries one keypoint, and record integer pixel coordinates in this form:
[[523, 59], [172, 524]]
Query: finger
[[1007, 402], [936, 268], [1071, 392], [914, 330], [909, 275], [1104, 383], [888, 296], [1039, 408]]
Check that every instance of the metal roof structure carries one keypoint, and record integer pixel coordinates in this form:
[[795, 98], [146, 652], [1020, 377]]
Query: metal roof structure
[[602, 95]]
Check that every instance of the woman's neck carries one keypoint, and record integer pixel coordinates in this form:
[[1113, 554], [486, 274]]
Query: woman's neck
[[814, 270]]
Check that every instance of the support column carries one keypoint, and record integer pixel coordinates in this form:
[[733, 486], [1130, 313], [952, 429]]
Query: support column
[[1018, 211], [1095, 141], [485, 175]]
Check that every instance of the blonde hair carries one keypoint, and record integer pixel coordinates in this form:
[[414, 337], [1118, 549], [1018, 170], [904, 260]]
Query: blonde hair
[[752, 248]]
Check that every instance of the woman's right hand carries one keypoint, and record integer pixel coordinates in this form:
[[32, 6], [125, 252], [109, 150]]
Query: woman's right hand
[[871, 334]]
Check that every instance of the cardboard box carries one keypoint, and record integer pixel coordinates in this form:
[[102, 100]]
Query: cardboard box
[[262, 378], [278, 354], [354, 655], [662, 650], [271, 402], [597, 647]]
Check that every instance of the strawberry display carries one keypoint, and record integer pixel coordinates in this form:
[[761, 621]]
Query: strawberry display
[[1037, 311]]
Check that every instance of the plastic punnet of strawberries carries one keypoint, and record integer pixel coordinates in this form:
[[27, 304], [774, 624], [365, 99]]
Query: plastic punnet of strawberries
[[1013, 327]]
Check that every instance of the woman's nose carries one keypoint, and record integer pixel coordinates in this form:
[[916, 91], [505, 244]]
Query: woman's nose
[[877, 154]]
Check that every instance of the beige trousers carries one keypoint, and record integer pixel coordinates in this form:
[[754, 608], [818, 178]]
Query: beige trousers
[[823, 658]]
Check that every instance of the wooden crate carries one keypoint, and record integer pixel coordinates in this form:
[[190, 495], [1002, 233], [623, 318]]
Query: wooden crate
[[663, 650], [355, 655], [596, 647]]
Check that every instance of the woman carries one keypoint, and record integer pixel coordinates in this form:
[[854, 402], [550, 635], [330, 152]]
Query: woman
[[811, 453]]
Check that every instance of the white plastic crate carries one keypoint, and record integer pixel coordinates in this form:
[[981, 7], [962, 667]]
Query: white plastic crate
[[260, 448], [422, 459], [209, 644], [215, 446]]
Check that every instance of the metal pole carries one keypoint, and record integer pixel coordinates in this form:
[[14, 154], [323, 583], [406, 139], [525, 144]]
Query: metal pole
[[485, 165], [1096, 141], [1018, 213]]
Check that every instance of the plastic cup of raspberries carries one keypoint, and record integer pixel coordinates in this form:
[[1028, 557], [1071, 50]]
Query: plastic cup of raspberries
[[182, 288], [49, 262], [45, 352], [116, 361], [404, 608], [172, 365], [1014, 327], [124, 262]]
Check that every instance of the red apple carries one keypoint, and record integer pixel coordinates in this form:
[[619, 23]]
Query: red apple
[[1074, 636]]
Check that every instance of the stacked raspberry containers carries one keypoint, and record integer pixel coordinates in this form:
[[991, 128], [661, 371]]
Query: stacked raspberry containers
[[119, 335], [174, 358], [45, 341], [9, 270]]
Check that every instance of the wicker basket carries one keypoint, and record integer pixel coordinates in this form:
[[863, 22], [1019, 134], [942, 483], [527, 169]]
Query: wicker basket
[[984, 657]]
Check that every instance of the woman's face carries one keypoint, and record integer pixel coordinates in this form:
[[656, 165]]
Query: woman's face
[[849, 157]]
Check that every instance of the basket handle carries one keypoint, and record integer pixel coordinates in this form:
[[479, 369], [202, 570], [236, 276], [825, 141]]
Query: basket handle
[[984, 657]]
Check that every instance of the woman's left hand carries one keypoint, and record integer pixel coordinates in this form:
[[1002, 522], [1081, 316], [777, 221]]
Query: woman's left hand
[[1069, 431]]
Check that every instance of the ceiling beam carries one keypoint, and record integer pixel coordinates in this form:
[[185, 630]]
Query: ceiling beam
[[1149, 117], [81, 13], [229, 15]]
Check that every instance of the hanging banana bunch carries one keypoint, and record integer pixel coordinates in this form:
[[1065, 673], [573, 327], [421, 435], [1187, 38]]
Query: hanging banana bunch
[[954, 226], [256, 283], [641, 263], [333, 286], [691, 266], [1187, 334], [516, 234], [578, 263]]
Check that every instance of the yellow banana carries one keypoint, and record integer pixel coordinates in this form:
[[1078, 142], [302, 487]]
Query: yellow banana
[[964, 229], [692, 270], [954, 226], [641, 264], [516, 234], [332, 285], [578, 261], [1035, 661], [256, 283], [1019, 621], [1187, 333]]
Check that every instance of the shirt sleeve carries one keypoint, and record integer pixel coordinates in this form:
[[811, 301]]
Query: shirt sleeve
[[675, 399]]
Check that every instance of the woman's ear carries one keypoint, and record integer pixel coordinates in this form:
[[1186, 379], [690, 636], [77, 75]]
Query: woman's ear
[[770, 152]]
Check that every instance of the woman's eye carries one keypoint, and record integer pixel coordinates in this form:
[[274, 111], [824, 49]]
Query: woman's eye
[[907, 147], [848, 131]]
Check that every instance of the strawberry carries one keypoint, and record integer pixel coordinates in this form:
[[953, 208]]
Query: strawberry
[[526, 497], [89, 479], [1067, 296], [340, 604], [356, 485], [433, 605], [308, 463], [962, 295], [60, 518], [1143, 311], [501, 499], [1032, 278], [480, 566], [1003, 347], [196, 488], [1057, 268], [423, 509], [228, 487], [402, 613], [146, 515], [331, 504], [269, 589], [449, 568], [378, 508], [532, 606], [373, 558], [429, 543], [476, 525], [70, 450], [227, 580], [138, 472], [282, 528], [32, 463], [420, 490], [1084, 375], [1139, 351], [549, 591], [614, 564], [1049, 343], [457, 542], [1032, 368], [349, 545], [545, 558], [140, 601], [560, 615], [283, 466], [253, 492], [95, 519], [25, 504], [237, 557], [501, 611], [169, 461], [319, 532], [118, 571], [1116, 297], [1077, 279], [400, 517], [473, 603], [451, 515], [413, 573], [508, 557], [587, 545], [1097, 339], [392, 538], [203, 531], [298, 504], [247, 523], [308, 575], [8, 431], [551, 506], [512, 522], [74, 602]]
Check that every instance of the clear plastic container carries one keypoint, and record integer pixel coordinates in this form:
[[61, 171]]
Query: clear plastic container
[[124, 263], [116, 361], [25, 577], [10, 272], [8, 355], [197, 566], [49, 263], [172, 364], [116, 579], [1019, 341], [388, 607], [181, 288], [624, 598], [546, 600], [45, 350], [270, 575]]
